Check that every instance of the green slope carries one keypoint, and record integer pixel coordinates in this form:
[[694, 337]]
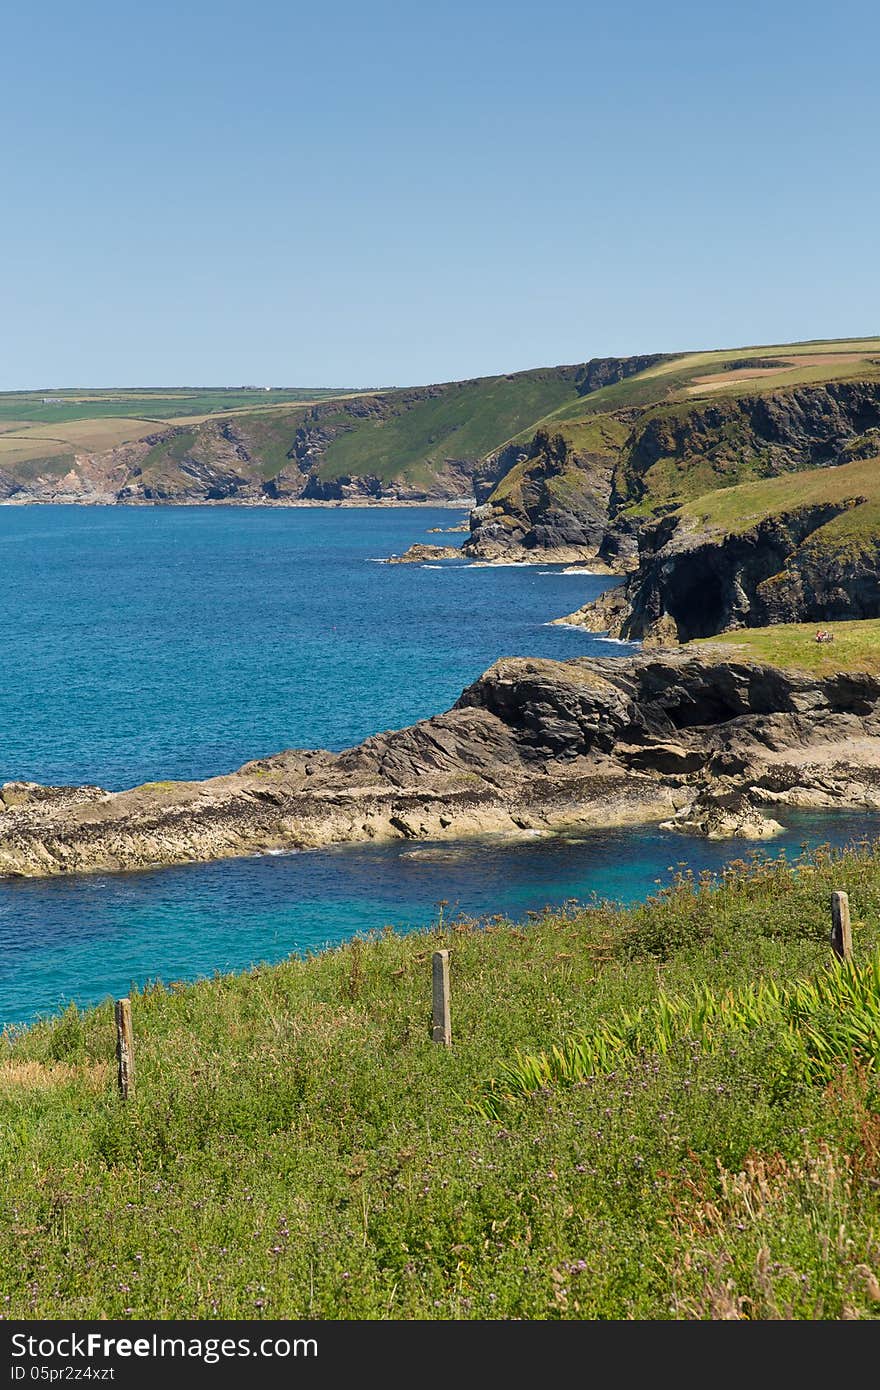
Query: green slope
[[856, 646], [464, 422], [296, 1145]]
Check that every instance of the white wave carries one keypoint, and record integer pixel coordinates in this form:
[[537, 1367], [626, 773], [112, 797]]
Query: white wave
[[430, 567], [596, 636], [376, 560], [572, 569], [498, 565]]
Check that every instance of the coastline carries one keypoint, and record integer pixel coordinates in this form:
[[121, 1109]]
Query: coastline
[[453, 503], [699, 744]]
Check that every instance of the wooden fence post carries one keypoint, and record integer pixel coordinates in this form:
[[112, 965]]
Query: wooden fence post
[[124, 1048], [440, 996], [841, 932]]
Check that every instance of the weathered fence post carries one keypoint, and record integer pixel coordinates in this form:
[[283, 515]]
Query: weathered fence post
[[841, 932], [440, 995], [124, 1048]]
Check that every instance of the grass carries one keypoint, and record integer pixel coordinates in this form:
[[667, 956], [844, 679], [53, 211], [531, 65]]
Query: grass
[[464, 422], [856, 646], [296, 1145], [672, 379], [157, 404], [734, 510], [820, 1025]]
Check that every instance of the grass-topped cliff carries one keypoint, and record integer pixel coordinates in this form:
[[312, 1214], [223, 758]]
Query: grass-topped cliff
[[703, 1145], [677, 430], [640, 435], [409, 444], [801, 546]]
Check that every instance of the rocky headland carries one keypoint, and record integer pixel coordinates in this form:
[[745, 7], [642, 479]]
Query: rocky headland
[[705, 743]]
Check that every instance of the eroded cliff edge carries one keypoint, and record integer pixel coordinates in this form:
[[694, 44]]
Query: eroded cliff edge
[[709, 744]]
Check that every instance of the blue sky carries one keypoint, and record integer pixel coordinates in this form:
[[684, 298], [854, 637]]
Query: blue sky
[[382, 194]]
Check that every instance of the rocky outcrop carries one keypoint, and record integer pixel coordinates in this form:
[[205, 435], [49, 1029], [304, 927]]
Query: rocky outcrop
[[548, 498], [607, 371], [694, 582], [426, 555], [552, 503], [699, 741]]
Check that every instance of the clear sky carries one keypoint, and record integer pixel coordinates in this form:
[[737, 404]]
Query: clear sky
[[383, 193]]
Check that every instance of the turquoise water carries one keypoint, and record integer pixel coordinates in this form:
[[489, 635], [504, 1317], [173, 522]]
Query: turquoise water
[[148, 643], [84, 938], [179, 642]]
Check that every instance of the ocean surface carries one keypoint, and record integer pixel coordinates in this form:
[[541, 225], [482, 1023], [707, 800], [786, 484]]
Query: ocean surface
[[150, 643]]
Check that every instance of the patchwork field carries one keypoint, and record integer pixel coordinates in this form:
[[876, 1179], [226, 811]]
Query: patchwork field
[[734, 371]]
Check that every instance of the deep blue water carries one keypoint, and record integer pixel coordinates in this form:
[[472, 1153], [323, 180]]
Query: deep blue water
[[178, 642], [172, 642]]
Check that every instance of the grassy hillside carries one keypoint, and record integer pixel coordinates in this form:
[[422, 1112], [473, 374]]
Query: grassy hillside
[[735, 371], [298, 1147], [466, 421], [856, 646], [736, 509], [401, 434]]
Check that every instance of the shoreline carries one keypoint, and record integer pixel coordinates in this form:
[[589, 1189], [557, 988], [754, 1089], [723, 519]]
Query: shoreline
[[703, 745], [452, 504]]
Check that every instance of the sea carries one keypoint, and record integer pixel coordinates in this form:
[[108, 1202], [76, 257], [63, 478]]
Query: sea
[[150, 643]]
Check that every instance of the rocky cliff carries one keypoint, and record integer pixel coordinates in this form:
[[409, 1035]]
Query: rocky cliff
[[703, 743], [799, 548], [593, 490], [681, 451], [553, 500], [549, 497]]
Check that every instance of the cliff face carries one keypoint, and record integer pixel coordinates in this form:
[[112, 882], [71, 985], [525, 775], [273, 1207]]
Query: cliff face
[[703, 743], [677, 452], [691, 583], [553, 501], [593, 499], [550, 496]]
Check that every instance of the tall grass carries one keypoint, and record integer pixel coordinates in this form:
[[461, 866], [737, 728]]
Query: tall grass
[[298, 1146], [818, 1024]]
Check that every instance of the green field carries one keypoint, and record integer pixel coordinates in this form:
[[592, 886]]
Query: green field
[[856, 646], [736, 509], [704, 1144], [154, 404], [678, 378]]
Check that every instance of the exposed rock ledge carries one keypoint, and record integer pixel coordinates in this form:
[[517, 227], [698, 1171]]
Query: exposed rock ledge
[[420, 554], [699, 741]]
